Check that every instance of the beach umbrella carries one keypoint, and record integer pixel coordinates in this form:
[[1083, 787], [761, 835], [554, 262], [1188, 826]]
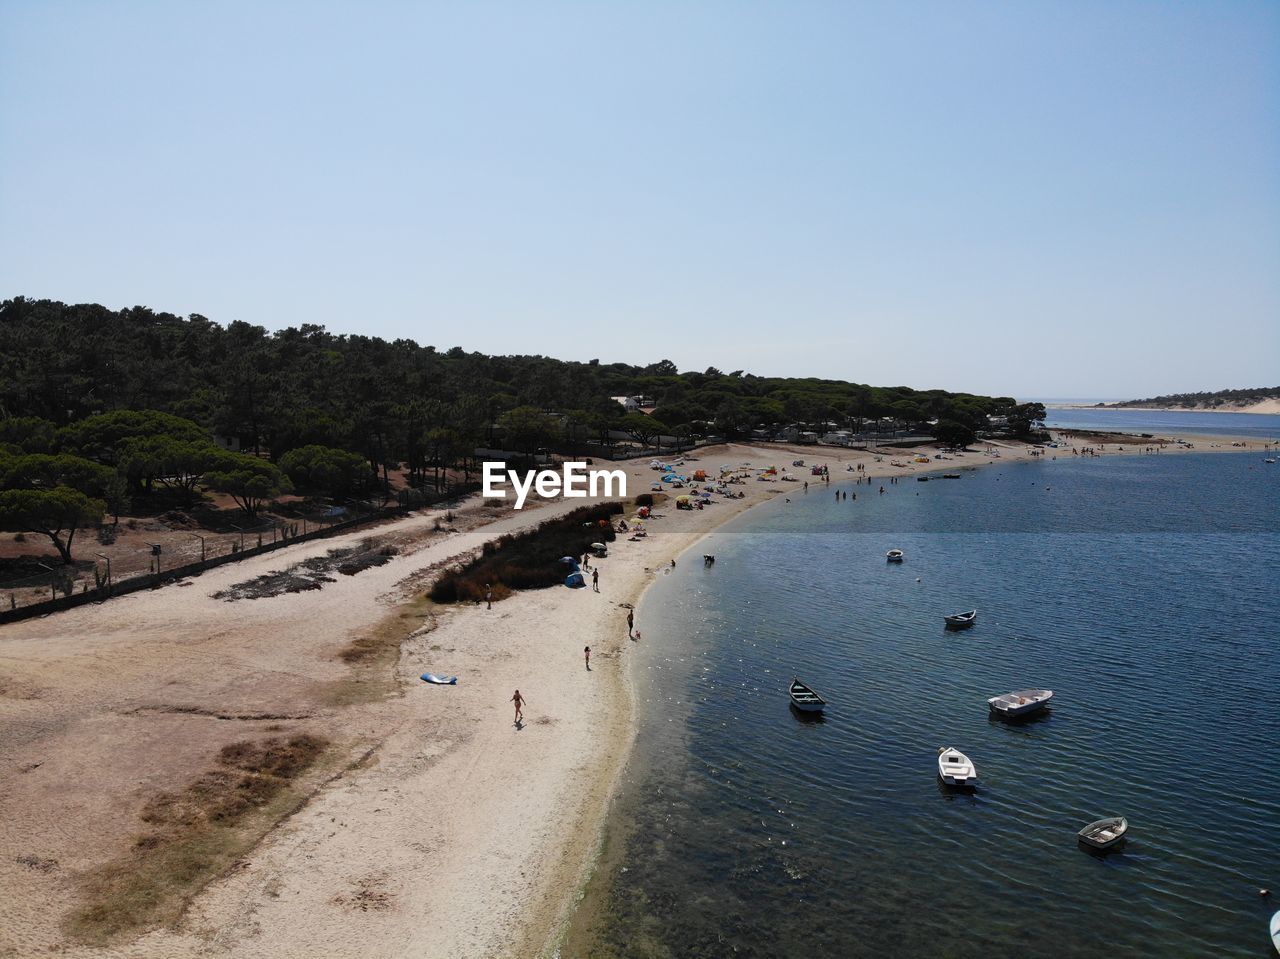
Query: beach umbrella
[[567, 559]]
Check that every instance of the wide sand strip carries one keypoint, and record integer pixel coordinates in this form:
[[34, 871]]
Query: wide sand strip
[[435, 828]]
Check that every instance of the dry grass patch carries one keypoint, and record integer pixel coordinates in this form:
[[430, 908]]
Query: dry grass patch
[[374, 655], [196, 834]]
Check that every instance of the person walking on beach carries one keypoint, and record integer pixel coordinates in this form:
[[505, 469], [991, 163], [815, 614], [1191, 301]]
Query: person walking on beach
[[488, 595], [519, 701], [586, 653], [595, 580], [631, 621]]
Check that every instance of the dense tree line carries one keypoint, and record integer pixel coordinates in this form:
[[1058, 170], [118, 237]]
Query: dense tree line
[[99, 405], [390, 400]]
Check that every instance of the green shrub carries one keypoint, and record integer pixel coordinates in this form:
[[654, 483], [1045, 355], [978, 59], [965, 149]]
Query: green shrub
[[528, 560]]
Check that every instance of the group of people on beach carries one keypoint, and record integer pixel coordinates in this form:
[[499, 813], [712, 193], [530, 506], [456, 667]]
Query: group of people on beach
[[520, 701]]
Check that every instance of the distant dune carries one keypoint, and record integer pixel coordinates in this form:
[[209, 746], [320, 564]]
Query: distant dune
[[1263, 400]]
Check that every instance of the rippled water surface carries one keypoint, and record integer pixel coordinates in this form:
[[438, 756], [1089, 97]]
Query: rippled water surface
[[1142, 591]]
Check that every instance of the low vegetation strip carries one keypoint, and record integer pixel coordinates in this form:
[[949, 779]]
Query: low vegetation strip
[[530, 560], [1208, 400], [194, 836]]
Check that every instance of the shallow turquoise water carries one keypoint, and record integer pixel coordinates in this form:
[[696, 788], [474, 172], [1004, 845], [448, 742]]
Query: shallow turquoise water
[[1142, 591]]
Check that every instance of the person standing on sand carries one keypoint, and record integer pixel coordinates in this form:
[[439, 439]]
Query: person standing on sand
[[519, 701], [673, 564], [595, 580], [586, 653], [631, 621], [488, 595]]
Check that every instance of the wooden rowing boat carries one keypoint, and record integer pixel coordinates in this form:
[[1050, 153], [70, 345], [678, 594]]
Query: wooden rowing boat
[[804, 698], [1104, 833], [961, 620]]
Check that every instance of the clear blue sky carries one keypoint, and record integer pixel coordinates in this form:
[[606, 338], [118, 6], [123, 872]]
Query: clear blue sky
[[1045, 199]]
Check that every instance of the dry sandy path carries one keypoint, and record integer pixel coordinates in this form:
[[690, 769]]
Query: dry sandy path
[[103, 706]]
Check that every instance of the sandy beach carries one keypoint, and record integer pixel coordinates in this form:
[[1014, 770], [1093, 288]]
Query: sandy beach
[[432, 825]]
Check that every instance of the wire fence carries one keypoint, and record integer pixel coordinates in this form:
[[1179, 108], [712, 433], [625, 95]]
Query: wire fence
[[147, 555]]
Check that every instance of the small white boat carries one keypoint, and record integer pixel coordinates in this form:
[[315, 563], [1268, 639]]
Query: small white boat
[[1020, 702], [955, 768], [894, 556], [805, 699], [961, 620], [1269, 460], [1275, 931], [1104, 833]]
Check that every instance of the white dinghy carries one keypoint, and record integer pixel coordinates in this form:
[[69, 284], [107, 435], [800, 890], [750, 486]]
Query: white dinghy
[[1020, 702], [1104, 833], [955, 768]]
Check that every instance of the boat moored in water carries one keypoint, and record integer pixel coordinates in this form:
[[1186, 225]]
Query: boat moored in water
[[955, 768], [1020, 702], [1275, 930], [894, 555], [1104, 833], [804, 698], [961, 620]]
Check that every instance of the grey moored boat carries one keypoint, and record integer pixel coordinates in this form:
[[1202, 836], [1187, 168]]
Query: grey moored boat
[[1104, 833], [805, 699]]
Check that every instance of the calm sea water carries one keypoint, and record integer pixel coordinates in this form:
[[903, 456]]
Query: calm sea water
[[1143, 591], [1259, 426]]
